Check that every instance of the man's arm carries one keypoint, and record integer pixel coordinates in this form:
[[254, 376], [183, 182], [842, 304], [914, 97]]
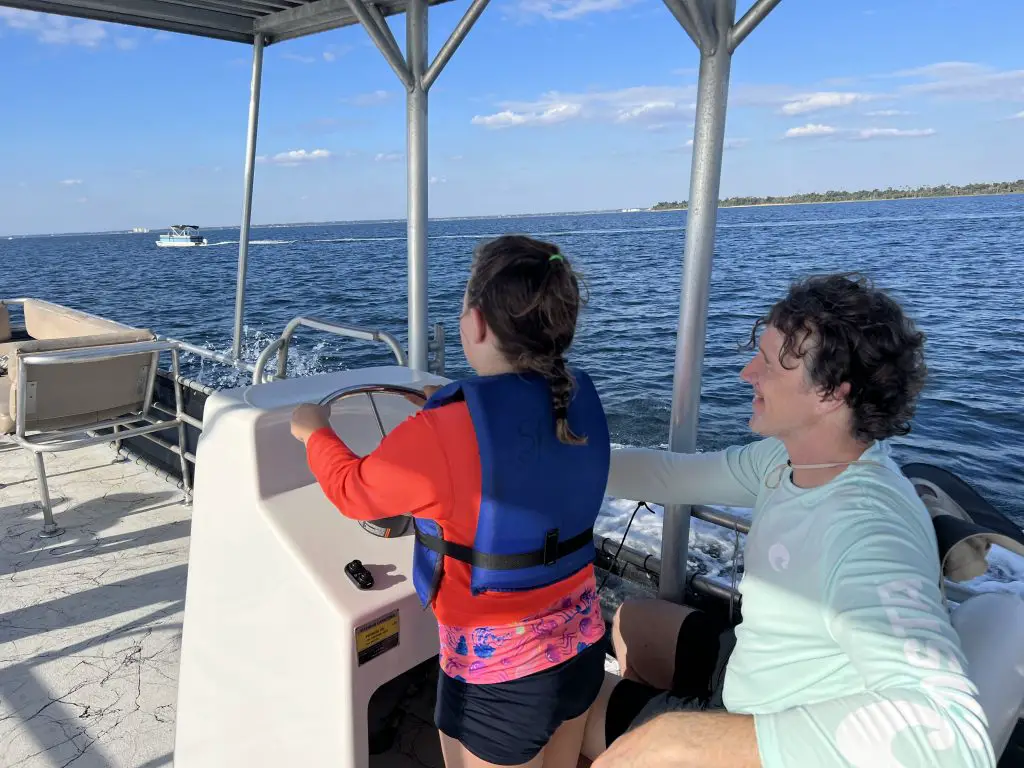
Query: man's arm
[[687, 740], [884, 609], [731, 477]]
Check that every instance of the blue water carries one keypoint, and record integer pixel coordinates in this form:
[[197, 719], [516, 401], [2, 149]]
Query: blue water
[[957, 265]]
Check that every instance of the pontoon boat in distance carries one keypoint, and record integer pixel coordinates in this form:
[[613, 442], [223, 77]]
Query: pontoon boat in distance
[[181, 236]]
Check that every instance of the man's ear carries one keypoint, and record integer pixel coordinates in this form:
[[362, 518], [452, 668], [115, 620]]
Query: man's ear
[[831, 403]]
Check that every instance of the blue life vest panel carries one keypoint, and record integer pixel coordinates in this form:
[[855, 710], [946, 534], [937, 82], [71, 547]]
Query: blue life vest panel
[[539, 497]]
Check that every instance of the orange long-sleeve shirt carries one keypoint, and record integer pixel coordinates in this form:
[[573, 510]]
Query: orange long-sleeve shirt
[[429, 466]]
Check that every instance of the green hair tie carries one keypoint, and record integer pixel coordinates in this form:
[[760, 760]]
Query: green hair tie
[[555, 257]]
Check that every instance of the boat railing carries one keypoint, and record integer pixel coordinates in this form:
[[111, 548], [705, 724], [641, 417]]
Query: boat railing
[[282, 344], [715, 587], [208, 354]]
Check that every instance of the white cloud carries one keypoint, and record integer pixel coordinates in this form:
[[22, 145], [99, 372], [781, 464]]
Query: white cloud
[[729, 143], [55, 30], [388, 157], [657, 114], [295, 157], [70, 182], [556, 113], [942, 70], [965, 81], [811, 130], [647, 106], [816, 130], [888, 113], [369, 99], [815, 102], [1018, 116], [126, 43], [82, 200], [565, 10], [893, 133], [330, 55], [438, 180]]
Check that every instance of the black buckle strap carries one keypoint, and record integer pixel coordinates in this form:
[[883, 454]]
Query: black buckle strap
[[553, 551]]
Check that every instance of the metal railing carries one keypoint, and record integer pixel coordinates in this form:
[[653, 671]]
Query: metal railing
[[209, 354], [282, 344], [713, 588], [436, 348]]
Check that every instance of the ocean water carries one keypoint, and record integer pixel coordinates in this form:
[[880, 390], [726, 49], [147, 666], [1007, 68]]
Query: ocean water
[[956, 264]]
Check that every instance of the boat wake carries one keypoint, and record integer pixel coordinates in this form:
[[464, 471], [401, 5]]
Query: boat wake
[[254, 242]]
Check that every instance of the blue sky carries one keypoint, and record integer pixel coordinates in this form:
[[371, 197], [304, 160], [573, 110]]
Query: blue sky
[[549, 105]]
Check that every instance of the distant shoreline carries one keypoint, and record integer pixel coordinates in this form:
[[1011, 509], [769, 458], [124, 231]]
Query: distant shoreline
[[944, 191], [813, 198], [835, 202]]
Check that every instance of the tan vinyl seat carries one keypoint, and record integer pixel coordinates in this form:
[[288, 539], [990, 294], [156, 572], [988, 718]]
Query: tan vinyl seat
[[97, 390], [98, 382]]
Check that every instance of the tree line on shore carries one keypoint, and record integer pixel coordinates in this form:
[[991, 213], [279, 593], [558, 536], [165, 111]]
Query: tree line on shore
[[889, 193]]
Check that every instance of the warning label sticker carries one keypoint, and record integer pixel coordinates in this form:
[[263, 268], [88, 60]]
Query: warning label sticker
[[377, 637]]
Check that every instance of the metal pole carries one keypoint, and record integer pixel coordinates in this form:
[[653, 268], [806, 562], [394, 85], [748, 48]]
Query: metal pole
[[702, 214], [683, 17], [377, 28], [454, 41], [50, 529], [250, 169], [416, 137], [754, 16]]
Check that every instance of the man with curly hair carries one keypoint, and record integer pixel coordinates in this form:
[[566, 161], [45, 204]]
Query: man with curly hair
[[845, 655]]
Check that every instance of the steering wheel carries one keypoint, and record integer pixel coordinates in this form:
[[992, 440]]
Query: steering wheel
[[385, 527]]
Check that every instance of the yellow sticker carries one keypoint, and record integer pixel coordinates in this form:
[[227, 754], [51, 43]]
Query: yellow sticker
[[376, 637]]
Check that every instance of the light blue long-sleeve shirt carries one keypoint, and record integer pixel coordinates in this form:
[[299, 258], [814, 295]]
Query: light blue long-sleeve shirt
[[846, 655]]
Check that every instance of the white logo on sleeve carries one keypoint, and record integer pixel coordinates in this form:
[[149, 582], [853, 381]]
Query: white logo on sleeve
[[865, 736], [778, 557]]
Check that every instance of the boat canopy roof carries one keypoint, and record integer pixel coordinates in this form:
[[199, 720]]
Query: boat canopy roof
[[235, 20], [184, 226]]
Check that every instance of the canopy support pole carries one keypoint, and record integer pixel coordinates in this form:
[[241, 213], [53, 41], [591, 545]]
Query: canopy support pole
[[416, 158], [711, 22], [250, 169], [417, 77]]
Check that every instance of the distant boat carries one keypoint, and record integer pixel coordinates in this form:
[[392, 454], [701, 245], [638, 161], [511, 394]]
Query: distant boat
[[181, 236], [139, 230]]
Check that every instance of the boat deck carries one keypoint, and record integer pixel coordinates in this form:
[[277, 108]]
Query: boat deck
[[90, 622]]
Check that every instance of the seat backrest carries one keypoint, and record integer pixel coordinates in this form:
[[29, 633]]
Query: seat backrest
[[991, 630], [68, 395], [5, 323], [44, 320]]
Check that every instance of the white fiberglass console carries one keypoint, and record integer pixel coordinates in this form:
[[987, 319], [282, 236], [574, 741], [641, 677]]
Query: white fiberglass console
[[281, 651]]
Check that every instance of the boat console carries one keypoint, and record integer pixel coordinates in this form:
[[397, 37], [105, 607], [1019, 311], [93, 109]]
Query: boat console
[[281, 649]]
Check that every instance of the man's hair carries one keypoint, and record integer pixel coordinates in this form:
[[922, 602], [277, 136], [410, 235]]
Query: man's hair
[[849, 332]]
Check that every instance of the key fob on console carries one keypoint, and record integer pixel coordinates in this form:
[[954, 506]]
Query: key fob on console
[[361, 577]]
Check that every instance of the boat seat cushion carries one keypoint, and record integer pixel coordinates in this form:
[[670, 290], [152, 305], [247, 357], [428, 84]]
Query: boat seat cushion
[[79, 394], [44, 320], [991, 630]]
